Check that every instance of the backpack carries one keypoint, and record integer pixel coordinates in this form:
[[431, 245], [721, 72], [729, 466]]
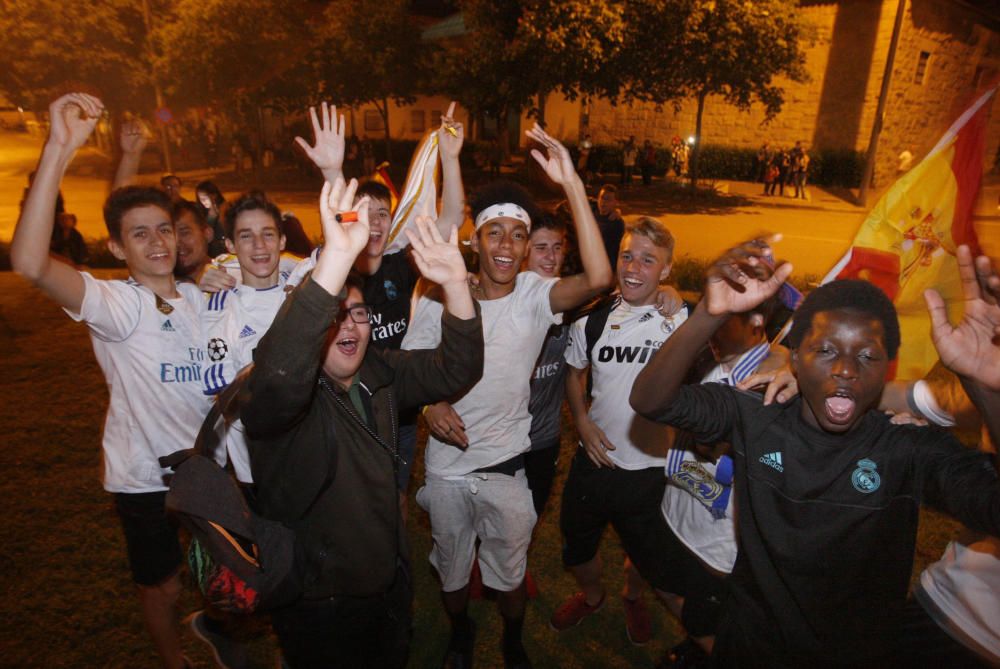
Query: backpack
[[241, 561]]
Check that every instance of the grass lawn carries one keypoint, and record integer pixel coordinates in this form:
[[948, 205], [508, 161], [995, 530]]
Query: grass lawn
[[68, 598]]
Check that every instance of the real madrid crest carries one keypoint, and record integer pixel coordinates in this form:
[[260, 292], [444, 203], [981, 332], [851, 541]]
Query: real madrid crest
[[865, 478]]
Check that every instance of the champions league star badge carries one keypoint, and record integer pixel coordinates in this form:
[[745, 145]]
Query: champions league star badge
[[164, 306], [217, 349], [865, 478]]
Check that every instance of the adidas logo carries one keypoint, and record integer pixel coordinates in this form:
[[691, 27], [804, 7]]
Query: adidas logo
[[167, 327], [648, 316], [247, 331], [773, 460]]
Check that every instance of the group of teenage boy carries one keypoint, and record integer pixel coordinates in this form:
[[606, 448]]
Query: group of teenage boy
[[779, 533]]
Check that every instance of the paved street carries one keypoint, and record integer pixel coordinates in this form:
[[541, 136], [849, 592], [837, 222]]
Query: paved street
[[816, 233]]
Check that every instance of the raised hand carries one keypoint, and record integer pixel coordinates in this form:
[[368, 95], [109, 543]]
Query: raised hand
[[451, 135], [133, 136], [72, 118], [559, 163], [438, 260], [345, 238], [744, 277], [971, 349], [327, 153]]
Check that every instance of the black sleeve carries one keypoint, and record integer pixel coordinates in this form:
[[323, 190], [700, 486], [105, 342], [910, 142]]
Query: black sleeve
[[286, 362], [708, 411], [456, 364], [961, 482]]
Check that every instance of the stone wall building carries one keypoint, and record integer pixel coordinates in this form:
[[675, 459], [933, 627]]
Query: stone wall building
[[948, 49]]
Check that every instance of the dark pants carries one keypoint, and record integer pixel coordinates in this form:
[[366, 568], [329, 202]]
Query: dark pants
[[540, 469], [371, 632], [647, 175]]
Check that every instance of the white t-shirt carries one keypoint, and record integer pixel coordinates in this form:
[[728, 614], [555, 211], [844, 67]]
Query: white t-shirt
[[152, 362], [693, 490], [630, 338], [229, 262], [246, 314], [964, 585], [495, 410]]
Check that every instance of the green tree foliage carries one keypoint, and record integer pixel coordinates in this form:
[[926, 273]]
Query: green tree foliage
[[50, 46], [735, 49], [513, 53], [369, 52], [222, 51]]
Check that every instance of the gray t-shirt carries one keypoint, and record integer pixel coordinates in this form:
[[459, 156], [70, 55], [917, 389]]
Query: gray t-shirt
[[547, 388]]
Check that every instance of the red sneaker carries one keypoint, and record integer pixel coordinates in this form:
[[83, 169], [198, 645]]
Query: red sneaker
[[638, 625], [572, 611]]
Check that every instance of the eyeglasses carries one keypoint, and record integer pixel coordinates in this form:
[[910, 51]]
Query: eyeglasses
[[359, 313]]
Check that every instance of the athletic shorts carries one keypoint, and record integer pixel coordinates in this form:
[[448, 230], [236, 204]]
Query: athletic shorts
[[154, 550], [595, 496], [496, 508]]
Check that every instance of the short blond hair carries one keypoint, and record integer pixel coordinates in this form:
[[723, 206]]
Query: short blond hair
[[655, 231]]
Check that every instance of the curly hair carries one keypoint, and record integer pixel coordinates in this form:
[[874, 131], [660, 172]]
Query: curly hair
[[497, 192]]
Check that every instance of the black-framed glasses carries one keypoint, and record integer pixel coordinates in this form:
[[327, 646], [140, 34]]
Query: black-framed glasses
[[359, 313]]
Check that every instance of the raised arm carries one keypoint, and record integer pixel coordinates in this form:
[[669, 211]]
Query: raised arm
[[288, 358], [451, 135], [327, 152], [738, 281], [572, 291], [72, 119], [972, 348], [133, 142]]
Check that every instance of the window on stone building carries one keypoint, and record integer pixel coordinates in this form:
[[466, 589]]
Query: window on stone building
[[373, 121], [918, 77], [435, 118], [417, 120]]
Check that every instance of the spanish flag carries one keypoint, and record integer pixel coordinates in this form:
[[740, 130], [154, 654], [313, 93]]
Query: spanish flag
[[907, 243]]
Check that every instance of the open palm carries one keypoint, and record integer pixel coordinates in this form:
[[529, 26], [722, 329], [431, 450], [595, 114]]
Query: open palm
[[328, 131], [559, 163], [438, 260], [970, 349]]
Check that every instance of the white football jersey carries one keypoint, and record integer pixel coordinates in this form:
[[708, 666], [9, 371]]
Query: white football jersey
[[245, 315], [152, 353]]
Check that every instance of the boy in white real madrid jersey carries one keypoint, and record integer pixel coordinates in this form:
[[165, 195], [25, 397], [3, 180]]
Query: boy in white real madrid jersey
[[240, 316], [617, 475], [147, 337]]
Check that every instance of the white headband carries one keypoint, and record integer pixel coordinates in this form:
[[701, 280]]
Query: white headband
[[502, 210]]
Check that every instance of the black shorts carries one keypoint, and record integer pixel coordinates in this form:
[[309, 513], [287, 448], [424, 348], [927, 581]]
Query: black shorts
[[154, 550], [595, 496]]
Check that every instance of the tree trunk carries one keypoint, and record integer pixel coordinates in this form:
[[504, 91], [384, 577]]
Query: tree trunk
[[503, 134], [696, 149], [543, 96], [383, 109]]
